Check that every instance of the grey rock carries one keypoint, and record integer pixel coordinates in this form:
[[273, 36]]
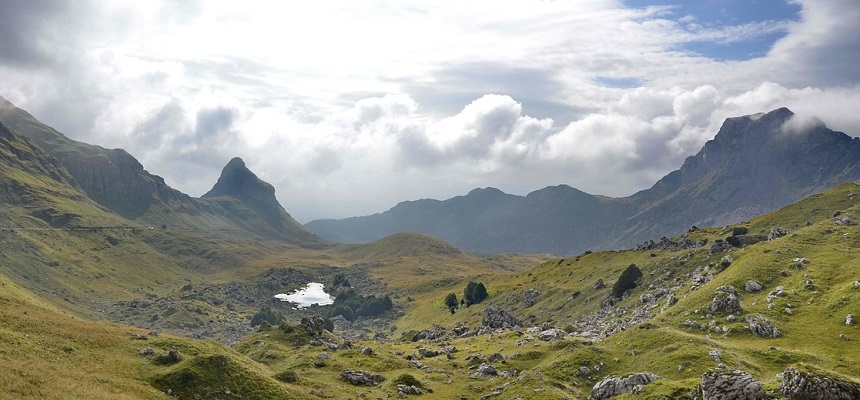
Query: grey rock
[[720, 246], [432, 333], [484, 371], [778, 292], [610, 387], [849, 319], [598, 285], [314, 325], [495, 317], [530, 297], [361, 378], [798, 385], [729, 385], [716, 354], [367, 351], [551, 335], [495, 357], [761, 326], [753, 286], [147, 351], [776, 233], [425, 352], [406, 390], [726, 300]]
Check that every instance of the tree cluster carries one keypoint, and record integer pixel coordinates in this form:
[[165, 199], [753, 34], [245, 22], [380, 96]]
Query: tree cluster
[[352, 305], [474, 293], [266, 314]]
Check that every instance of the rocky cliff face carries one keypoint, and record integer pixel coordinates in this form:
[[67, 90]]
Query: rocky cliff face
[[755, 164]]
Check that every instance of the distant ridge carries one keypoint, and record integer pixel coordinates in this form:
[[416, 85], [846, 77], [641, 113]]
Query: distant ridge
[[755, 164]]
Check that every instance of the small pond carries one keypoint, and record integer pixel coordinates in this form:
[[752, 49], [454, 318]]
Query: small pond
[[312, 293]]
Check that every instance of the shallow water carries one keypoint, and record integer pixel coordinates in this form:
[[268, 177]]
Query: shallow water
[[312, 293]]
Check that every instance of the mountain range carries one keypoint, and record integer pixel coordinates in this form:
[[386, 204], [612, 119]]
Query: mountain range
[[238, 203], [755, 164]]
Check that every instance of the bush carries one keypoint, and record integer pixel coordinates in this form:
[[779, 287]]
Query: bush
[[408, 380], [266, 314], [340, 280], [351, 305], [474, 293], [734, 241], [289, 376], [740, 230], [451, 302], [626, 281]]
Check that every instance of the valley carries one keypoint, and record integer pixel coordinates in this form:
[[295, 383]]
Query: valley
[[115, 285]]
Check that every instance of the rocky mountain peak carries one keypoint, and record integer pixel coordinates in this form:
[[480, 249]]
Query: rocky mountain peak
[[238, 181]]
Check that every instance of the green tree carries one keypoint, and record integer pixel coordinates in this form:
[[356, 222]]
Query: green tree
[[474, 293], [451, 302], [266, 314], [626, 281]]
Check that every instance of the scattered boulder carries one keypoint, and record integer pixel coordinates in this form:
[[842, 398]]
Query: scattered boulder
[[598, 285], [425, 352], [720, 246], [484, 371], [551, 335], [716, 354], [778, 292], [150, 351], [361, 378], [432, 333], [406, 390], [314, 325], [610, 387], [728, 385], [173, 355], [753, 286], [367, 351], [529, 297], [849, 319], [726, 300], [798, 385], [495, 317], [495, 357], [844, 221], [761, 326], [776, 233]]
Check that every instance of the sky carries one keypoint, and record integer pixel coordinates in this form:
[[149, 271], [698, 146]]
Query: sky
[[348, 108]]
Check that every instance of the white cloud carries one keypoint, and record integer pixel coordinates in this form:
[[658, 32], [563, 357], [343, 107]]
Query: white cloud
[[349, 108]]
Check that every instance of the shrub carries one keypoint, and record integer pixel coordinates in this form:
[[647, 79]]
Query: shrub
[[340, 280], [266, 314], [626, 281], [288, 376], [740, 230], [451, 302]]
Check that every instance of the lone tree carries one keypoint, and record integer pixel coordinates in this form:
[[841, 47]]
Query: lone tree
[[474, 293], [626, 281], [451, 302]]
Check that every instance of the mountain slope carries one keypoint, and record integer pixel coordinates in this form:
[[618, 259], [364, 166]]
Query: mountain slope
[[118, 182], [754, 164]]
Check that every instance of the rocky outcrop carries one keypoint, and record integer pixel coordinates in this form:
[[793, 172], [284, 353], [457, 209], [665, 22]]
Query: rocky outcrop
[[611, 387], [361, 378], [406, 390], [728, 385], [797, 385], [776, 233], [753, 286], [726, 300], [550, 335], [495, 317], [761, 326], [314, 325], [530, 297]]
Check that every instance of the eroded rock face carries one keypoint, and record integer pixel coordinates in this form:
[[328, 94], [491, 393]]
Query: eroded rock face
[[726, 300], [728, 385], [495, 317], [530, 297], [798, 385], [761, 326], [611, 387], [361, 378]]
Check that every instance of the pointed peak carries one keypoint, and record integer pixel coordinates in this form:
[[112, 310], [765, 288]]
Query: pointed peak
[[237, 180], [235, 162]]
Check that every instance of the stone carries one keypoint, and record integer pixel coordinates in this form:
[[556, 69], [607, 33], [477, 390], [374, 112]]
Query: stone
[[367, 351], [849, 319], [612, 386], [495, 317], [716, 354], [753, 286], [432, 333], [495, 357], [776, 233], [406, 390], [778, 292], [425, 352], [529, 297], [728, 385], [761, 326], [798, 385], [720, 246], [598, 285], [361, 378], [174, 355], [314, 325], [551, 335], [726, 300], [484, 371], [150, 351]]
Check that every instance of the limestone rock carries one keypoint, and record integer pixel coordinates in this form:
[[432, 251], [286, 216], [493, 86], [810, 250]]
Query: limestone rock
[[598, 285], [798, 385], [551, 335], [314, 325], [726, 300], [405, 390], [849, 319], [610, 387], [425, 352], [776, 233], [761, 326], [495, 317], [753, 286], [529, 297], [361, 378], [729, 385], [484, 371]]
